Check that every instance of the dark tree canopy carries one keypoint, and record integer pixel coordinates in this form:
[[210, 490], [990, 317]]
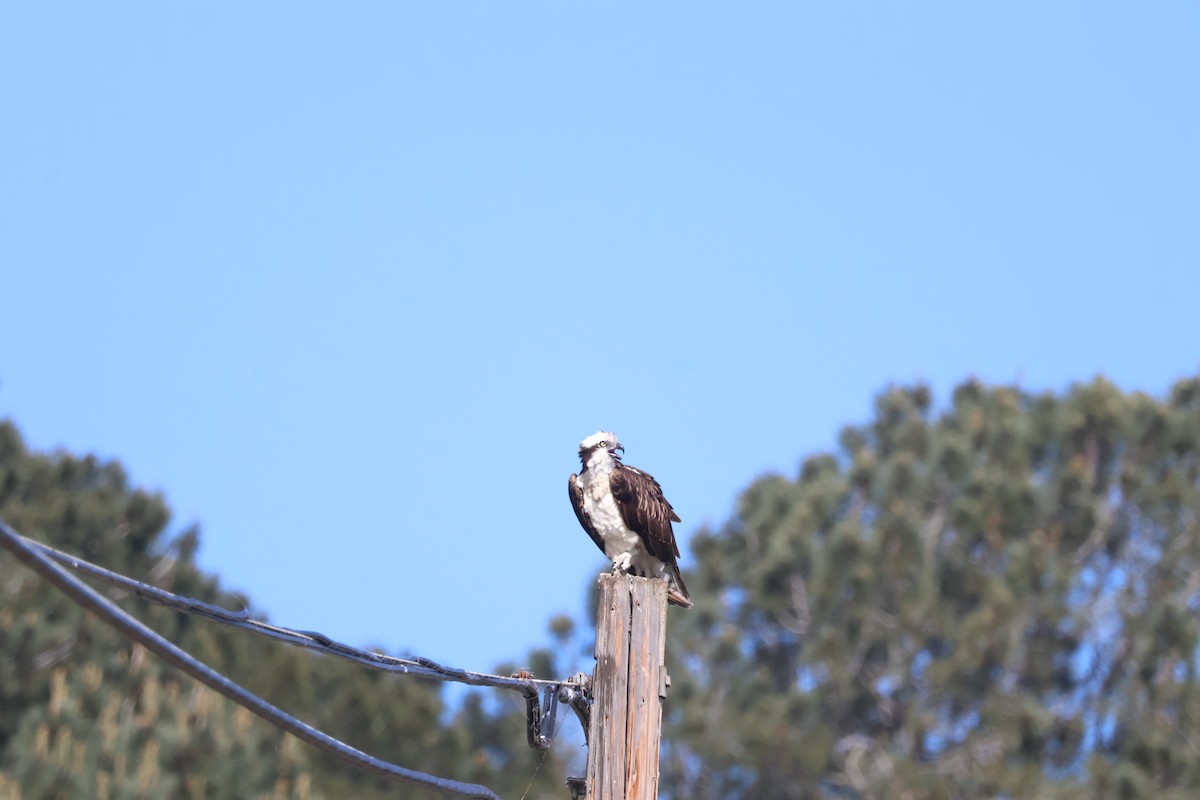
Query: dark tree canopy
[[995, 600], [85, 714]]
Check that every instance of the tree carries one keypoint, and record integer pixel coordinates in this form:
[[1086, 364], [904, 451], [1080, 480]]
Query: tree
[[85, 714], [996, 600]]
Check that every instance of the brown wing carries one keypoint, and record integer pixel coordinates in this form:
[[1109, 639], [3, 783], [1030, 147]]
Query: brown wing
[[576, 492], [645, 511]]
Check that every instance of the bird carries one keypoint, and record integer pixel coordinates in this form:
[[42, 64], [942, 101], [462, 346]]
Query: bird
[[624, 512]]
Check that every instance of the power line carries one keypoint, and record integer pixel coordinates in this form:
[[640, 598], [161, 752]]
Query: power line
[[43, 560], [554, 692]]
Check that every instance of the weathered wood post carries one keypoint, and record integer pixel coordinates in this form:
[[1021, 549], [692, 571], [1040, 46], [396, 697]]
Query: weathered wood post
[[627, 689]]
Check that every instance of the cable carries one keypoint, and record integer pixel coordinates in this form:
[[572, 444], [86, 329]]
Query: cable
[[32, 556], [311, 640]]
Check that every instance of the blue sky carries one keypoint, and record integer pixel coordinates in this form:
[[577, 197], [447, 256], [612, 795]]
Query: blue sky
[[349, 285]]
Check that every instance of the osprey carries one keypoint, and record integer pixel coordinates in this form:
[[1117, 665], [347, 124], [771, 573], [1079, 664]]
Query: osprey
[[625, 513]]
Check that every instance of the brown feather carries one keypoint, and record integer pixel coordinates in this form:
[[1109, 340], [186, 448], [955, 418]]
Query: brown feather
[[645, 510], [576, 493], [649, 515]]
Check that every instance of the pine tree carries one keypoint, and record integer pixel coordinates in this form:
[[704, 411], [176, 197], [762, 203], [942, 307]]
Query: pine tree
[[997, 600], [83, 713]]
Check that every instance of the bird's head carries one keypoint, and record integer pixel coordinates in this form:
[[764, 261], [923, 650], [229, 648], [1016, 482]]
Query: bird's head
[[600, 447]]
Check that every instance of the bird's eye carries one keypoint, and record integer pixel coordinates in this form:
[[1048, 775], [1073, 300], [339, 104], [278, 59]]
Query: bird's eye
[[604, 442]]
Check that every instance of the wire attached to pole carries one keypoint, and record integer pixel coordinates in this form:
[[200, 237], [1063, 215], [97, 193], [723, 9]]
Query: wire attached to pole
[[311, 640], [32, 556]]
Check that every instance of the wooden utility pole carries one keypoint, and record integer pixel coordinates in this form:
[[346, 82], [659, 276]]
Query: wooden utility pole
[[627, 689]]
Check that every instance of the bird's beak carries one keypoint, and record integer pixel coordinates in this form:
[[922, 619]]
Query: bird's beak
[[616, 447]]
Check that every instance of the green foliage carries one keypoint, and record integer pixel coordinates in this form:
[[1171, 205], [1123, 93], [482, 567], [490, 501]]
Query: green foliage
[[997, 600], [85, 714]]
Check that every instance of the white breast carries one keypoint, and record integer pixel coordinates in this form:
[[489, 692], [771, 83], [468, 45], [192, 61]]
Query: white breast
[[601, 508]]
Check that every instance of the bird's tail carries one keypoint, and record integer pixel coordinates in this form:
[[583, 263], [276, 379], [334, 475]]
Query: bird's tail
[[677, 593]]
